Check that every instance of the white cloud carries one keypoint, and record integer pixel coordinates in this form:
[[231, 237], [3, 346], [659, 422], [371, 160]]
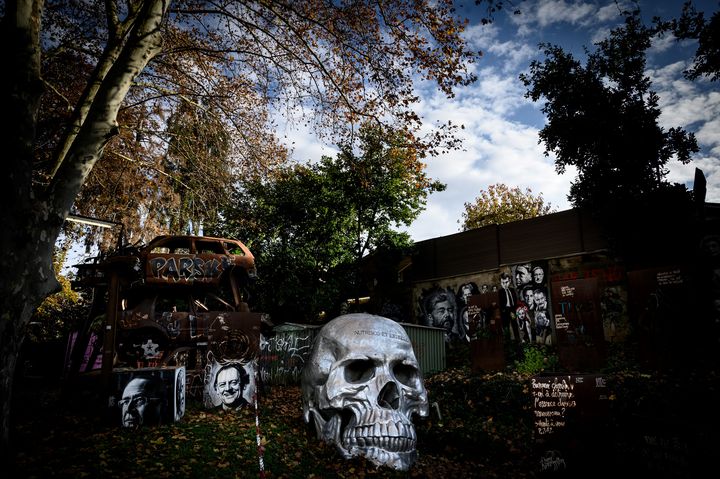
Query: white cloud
[[515, 55], [691, 105], [479, 36], [303, 143], [554, 11], [611, 12], [662, 44], [598, 35], [691, 111], [710, 167], [511, 54], [544, 13], [496, 150]]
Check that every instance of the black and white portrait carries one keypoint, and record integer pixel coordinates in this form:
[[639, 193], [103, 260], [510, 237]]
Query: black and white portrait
[[142, 402], [230, 385], [440, 310]]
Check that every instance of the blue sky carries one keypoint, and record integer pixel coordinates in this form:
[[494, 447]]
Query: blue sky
[[501, 125]]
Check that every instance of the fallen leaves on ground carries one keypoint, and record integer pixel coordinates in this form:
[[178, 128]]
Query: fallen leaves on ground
[[485, 430]]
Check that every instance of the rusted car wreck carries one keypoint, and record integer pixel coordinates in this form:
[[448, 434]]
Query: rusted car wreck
[[177, 301]]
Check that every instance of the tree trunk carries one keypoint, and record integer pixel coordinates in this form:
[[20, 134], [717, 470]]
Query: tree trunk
[[23, 266], [31, 218]]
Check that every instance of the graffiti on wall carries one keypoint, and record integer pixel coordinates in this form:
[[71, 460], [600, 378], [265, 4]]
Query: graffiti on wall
[[612, 285], [187, 269], [91, 352], [454, 306], [613, 309], [577, 312], [283, 356], [605, 274], [709, 300]]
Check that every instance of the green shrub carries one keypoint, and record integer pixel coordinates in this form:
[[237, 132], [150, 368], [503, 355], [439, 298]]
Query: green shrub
[[535, 359]]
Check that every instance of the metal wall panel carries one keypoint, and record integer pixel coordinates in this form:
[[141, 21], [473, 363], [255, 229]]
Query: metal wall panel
[[554, 235], [547, 236], [429, 346], [423, 264], [283, 355], [466, 252], [593, 238]]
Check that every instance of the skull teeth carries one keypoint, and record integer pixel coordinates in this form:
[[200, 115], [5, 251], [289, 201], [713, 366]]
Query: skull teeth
[[393, 437], [397, 460]]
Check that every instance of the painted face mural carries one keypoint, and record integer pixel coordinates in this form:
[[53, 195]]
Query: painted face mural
[[441, 311], [230, 381], [361, 386], [442, 315], [140, 403], [529, 297], [538, 275], [522, 275], [540, 300]]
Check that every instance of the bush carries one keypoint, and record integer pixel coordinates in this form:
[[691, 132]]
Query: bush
[[536, 358]]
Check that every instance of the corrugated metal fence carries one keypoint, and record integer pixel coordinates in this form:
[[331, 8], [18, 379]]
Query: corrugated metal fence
[[283, 356], [429, 346]]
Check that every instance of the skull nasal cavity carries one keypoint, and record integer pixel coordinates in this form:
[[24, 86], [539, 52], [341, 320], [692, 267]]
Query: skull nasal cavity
[[389, 397]]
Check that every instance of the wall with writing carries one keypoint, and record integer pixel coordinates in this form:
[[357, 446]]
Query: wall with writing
[[661, 301], [570, 414], [611, 288], [578, 324]]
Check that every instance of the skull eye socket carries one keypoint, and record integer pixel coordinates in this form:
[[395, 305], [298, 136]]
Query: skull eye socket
[[406, 374], [359, 371]]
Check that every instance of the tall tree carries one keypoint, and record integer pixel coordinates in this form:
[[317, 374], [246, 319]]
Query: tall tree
[[500, 204], [602, 118], [310, 226], [381, 184], [335, 61], [287, 219]]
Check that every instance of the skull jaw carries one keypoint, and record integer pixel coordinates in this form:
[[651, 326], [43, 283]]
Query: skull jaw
[[401, 461], [332, 431]]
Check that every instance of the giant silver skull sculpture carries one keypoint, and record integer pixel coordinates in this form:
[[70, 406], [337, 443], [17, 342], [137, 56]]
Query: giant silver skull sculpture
[[361, 386]]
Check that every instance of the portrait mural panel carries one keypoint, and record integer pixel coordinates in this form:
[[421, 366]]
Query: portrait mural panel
[[514, 299], [229, 384], [232, 362], [448, 306], [148, 396], [439, 309], [528, 314]]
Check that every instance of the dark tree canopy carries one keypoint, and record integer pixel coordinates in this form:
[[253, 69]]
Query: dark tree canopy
[[602, 118], [693, 25]]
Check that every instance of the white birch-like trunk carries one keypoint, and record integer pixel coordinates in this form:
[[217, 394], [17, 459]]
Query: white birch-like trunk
[[31, 218]]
